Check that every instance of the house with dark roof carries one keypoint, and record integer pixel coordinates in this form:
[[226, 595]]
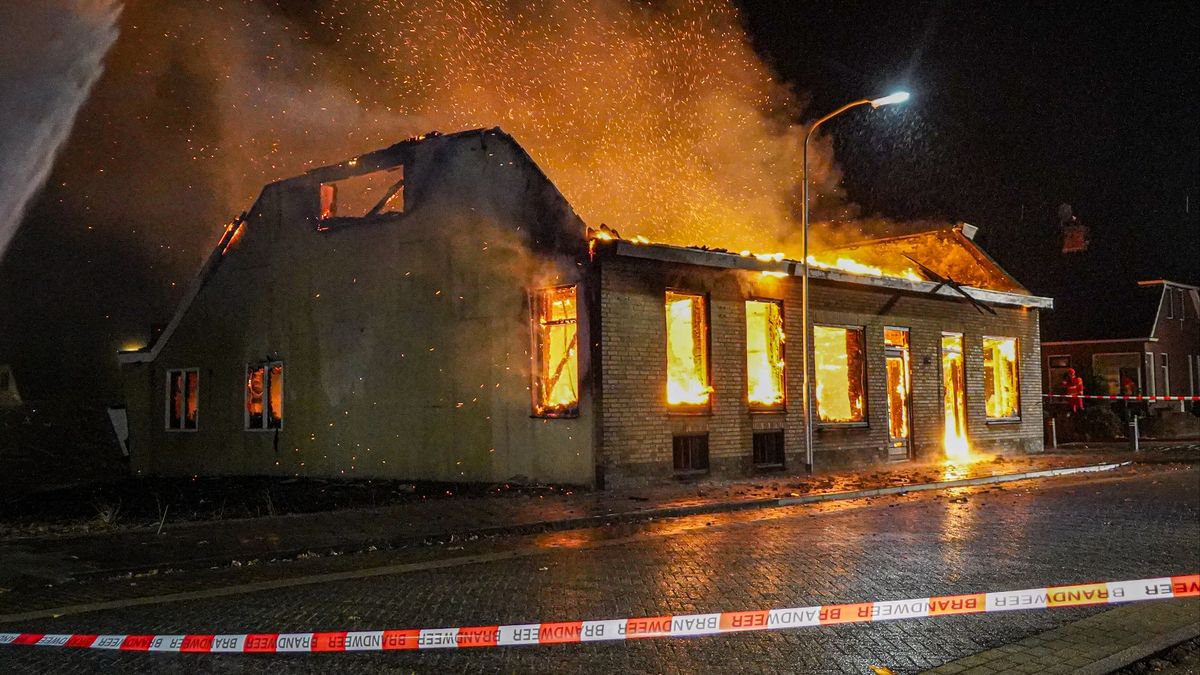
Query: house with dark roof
[[1141, 339], [436, 310]]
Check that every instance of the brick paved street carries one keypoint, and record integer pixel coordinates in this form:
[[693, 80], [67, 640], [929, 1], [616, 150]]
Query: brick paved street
[[1024, 534]]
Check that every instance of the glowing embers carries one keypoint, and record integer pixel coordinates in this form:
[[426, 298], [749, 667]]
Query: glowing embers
[[183, 399], [371, 194], [687, 350], [556, 334], [899, 386], [764, 353], [1000, 379], [264, 396], [838, 368], [954, 398], [852, 266]]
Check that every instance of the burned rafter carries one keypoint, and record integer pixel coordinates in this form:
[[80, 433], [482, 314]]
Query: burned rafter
[[951, 283], [388, 195]]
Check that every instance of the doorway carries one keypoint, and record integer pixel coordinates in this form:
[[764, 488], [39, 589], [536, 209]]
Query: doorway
[[954, 397], [899, 388]]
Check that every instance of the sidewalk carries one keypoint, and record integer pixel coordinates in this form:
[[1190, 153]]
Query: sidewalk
[[39, 560], [1098, 644]]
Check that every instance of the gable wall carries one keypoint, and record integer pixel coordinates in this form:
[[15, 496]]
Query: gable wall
[[405, 343]]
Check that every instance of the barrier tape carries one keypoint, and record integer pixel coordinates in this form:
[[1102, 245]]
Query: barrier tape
[[686, 625], [1130, 397]]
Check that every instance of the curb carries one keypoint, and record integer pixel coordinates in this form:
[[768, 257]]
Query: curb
[[1136, 653], [588, 522]]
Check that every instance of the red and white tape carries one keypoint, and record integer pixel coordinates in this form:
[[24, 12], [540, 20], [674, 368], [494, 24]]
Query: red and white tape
[[1131, 397], [686, 625]]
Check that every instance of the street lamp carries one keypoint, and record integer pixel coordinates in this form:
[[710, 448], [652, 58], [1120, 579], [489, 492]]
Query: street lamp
[[898, 97]]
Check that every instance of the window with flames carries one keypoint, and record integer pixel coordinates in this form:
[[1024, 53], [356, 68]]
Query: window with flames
[[764, 353], [183, 399], [556, 351], [687, 350], [264, 396], [1000, 378], [840, 373]]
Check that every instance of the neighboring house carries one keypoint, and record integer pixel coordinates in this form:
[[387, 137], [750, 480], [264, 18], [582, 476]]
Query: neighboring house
[[436, 311], [1141, 339], [9, 394]]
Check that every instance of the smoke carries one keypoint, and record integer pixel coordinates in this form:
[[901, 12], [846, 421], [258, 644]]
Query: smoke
[[656, 118], [50, 61]]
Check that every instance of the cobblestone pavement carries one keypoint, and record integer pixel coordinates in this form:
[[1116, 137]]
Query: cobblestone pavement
[[43, 559], [1136, 525], [1096, 644]]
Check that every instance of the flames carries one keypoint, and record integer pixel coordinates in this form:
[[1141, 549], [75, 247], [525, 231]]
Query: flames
[[1000, 377], [839, 262], [838, 361], [764, 353], [557, 337], [899, 378], [687, 350], [954, 399], [852, 266]]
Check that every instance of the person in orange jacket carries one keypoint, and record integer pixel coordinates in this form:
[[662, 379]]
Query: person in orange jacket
[[1073, 386]]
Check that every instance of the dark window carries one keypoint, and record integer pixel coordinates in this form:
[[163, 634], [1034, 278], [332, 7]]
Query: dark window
[[691, 453], [768, 449]]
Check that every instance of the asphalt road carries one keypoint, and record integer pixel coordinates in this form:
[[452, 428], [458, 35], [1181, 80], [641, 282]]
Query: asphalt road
[[1144, 524]]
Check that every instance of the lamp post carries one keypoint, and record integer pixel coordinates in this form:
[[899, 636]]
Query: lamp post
[[898, 97]]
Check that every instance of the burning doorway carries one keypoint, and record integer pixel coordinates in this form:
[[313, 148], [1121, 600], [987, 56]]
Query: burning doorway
[[954, 397], [899, 388]]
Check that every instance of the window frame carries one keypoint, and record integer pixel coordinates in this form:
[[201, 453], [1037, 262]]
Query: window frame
[[754, 407], [1136, 356], [866, 406], [688, 408], [167, 401], [755, 435], [378, 212], [685, 439], [266, 366], [988, 419], [535, 305], [966, 391]]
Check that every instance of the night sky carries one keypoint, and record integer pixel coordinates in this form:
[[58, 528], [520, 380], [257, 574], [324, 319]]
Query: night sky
[[1017, 108]]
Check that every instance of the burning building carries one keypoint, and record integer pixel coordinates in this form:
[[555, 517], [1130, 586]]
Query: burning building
[[436, 310]]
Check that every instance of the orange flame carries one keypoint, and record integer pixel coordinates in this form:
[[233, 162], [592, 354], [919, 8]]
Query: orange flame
[[764, 353], [954, 399], [687, 350]]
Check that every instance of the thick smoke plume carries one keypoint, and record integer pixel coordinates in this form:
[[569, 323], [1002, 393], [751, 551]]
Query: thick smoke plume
[[655, 118], [53, 55]]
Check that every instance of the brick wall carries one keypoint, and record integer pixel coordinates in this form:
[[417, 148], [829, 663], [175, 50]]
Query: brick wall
[[637, 426]]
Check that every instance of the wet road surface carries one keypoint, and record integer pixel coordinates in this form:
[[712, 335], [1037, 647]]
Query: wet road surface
[[1141, 524]]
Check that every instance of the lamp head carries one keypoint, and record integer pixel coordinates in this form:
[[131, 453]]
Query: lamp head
[[898, 97]]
